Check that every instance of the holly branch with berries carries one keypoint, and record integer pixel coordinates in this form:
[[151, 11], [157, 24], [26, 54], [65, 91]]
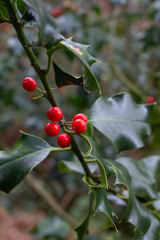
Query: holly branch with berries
[[117, 120]]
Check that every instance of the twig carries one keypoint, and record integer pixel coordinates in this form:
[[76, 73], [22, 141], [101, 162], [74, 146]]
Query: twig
[[68, 198], [128, 83], [34, 183]]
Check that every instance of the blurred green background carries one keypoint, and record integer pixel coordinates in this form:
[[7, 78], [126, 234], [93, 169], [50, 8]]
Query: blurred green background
[[125, 37]]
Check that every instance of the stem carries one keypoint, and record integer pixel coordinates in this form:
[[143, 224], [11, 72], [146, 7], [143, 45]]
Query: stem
[[89, 144], [90, 160], [49, 63], [42, 75], [77, 152], [40, 90], [38, 97]]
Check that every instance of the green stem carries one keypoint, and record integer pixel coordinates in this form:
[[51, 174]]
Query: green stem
[[42, 75], [77, 152], [90, 160], [49, 63], [40, 90], [89, 144], [38, 97], [61, 149]]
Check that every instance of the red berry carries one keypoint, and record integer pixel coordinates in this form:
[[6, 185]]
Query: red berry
[[80, 116], [64, 140], [29, 84], [79, 126], [5, 26], [52, 129], [57, 12], [150, 99], [54, 114]]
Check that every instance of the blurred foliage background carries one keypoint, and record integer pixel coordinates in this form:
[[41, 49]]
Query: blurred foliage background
[[125, 37]]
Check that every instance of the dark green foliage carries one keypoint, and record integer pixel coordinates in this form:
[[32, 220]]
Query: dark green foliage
[[123, 119]]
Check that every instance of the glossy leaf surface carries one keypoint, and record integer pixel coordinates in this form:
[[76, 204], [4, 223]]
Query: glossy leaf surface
[[21, 6], [154, 230], [121, 120], [102, 206], [4, 16], [81, 51], [37, 15], [143, 183], [104, 167], [136, 213], [15, 164], [151, 165], [75, 166], [82, 229]]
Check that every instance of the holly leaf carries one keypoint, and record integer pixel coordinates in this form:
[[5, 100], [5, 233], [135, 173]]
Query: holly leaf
[[121, 120], [154, 230], [69, 166], [136, 213], [63, 79], [102, 206], [21, 6], [82, 229], [4, 16], [15, 164], [81, 51], [143, 183], [151, 165], [103, 165], [37, 15], [74, 166]]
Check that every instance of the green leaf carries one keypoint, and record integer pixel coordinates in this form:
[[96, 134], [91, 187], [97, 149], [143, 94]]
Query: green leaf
[[154, 230], [102, 206], [75, 166], [15, 164], [143, 183], [151, 165], [101, 201], [63, 79], [89, 131], [4, 16], [21, 6], [104, 166], [52, 227], [81, 51], [82, 229], [37, 15], [69, 166], [121, 120], [136, 213]]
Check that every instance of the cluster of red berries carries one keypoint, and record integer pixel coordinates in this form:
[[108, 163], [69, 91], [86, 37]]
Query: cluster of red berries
[[54, 114], [52, 129]]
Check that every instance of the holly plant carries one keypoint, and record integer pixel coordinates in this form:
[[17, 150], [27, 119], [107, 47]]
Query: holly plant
[[118, 119]]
